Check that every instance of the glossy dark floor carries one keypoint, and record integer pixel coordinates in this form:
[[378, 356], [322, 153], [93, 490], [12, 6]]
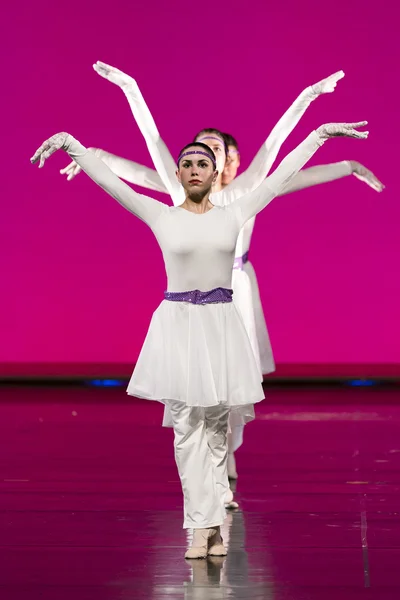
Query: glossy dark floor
[[90, 502]]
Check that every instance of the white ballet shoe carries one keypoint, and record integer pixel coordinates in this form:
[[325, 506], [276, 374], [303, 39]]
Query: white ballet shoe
[[230, 504], [199, 547], [216, 545], [232, 472]]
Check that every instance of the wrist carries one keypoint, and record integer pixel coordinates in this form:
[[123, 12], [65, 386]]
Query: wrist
[[67, 141], [128, 84], [322, 133], [312, 92], [352, 165]]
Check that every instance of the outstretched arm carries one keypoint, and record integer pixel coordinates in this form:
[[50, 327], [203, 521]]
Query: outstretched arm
[[143, 207], [265, 157], [161, 156], [252, 203], [326, 173], [123, 168]]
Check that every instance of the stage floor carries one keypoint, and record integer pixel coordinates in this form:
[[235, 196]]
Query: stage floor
[[91, 507]]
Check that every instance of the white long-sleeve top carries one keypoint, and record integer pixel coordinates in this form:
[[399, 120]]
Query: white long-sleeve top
[[198, 249], [151, 180]]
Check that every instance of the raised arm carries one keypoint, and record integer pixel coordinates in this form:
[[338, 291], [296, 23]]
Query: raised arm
[[147, 209], [265, 157], [253, 202], [326, 173], [161, 156], [123, 168]]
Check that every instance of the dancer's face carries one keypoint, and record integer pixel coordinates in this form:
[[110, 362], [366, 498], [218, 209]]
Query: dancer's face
[[196, 173], [217, 145], [231, 166]]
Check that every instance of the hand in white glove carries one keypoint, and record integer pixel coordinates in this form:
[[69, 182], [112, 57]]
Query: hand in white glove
[[365, 175], [136, 101], [71, 170], [48, 148], [112, 74], [328, 85], [343, 130]]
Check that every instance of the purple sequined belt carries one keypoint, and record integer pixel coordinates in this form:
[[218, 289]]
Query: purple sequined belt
[[214, 296], [240, 261]]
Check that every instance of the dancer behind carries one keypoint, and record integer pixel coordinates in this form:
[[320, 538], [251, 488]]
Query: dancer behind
[[206, 367], [232, 163], [304, 179]]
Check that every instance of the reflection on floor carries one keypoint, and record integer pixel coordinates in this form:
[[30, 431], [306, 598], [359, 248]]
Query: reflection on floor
[[90, 502]]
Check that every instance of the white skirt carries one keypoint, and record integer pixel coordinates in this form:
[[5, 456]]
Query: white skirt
[[243, 298], [199, 355], [266, 358]]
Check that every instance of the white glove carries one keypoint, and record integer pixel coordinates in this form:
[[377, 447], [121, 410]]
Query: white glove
[[327, 86], [141, 113], [112, 74], [48, 148], [71, 170], [342, 129], [365, 175]]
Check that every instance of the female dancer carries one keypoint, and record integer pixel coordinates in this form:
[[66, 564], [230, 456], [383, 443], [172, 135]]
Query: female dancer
[[244, 281], [206, 367]]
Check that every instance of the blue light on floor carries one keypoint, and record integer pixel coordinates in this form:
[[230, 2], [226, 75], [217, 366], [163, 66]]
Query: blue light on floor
[[105, 382], [362, 382]]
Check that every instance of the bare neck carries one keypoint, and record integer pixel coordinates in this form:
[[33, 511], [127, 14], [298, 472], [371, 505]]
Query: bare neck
[[198, 203]]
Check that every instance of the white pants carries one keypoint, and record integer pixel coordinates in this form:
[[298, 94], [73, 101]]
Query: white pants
[[235, 438], [201, 453]]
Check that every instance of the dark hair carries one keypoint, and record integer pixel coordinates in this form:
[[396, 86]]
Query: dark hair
[[204, 147], [230, 140], [212, 131]]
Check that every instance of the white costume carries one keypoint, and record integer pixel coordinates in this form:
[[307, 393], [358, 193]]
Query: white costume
[[244, 281], [197, 359]]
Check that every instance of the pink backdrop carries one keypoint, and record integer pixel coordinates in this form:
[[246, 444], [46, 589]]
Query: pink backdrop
[[81, 276]]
